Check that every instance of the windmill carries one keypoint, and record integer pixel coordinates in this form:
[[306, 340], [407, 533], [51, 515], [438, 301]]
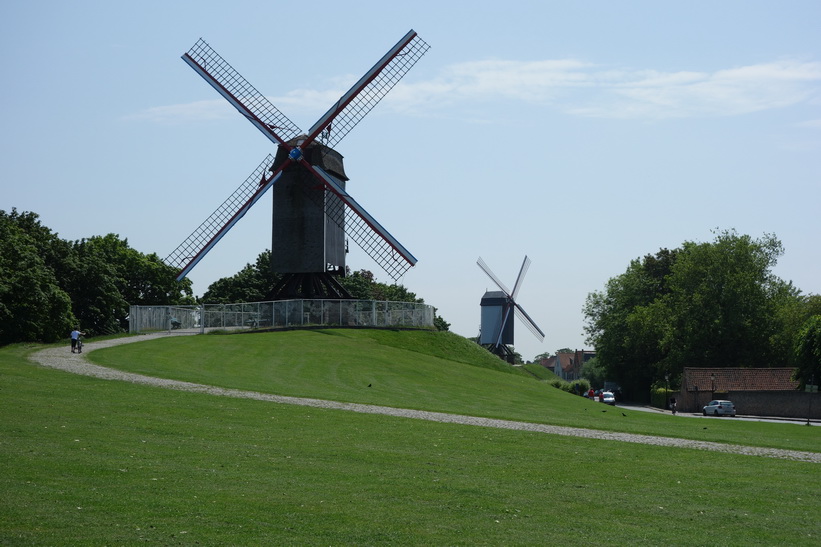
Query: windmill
[[312, 214], [498, 308]]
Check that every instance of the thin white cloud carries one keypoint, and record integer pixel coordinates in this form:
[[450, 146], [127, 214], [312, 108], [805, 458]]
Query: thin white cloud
[[589, 90], [810, 123], [569, 85], [197, 111], [725, 92]]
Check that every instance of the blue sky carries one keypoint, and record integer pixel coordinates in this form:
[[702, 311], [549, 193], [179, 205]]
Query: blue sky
[[582, 134]]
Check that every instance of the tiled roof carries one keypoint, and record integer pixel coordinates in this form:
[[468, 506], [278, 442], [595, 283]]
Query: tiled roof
[[738, 379], [566, 361]]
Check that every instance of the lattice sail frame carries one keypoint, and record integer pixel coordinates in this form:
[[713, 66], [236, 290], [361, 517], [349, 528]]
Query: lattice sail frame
[[240, 93], [208, 234], [337, 122], [365, 94], [366, 232]]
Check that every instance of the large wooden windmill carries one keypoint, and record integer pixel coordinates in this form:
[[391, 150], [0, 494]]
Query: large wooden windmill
[[313, 215], [498, 309]]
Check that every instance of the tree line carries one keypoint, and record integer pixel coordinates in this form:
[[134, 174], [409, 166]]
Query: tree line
[[714, 304], [49, 285]]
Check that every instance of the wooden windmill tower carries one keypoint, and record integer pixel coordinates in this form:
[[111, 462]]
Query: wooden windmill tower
[[498, 309], [313, 215]]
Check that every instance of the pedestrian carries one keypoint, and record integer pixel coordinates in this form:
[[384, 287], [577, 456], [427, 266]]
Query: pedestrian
[[75, 339], [673, 404]]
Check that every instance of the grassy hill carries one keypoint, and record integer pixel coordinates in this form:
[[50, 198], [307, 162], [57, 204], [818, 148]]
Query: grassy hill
[[90, 462], [424, 370]]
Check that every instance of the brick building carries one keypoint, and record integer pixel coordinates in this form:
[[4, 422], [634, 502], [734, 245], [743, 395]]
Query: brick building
[[754, 391]]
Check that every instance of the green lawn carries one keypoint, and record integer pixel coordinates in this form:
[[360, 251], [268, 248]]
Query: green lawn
[[93, 462], [413, 369]]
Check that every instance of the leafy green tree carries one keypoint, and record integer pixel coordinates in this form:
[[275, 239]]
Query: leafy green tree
[[251, 284], [808, 352], [363, 285], [704, 304], [106, 276], [359, 284], [32, 305], [50, 285], [96, 299], [593, 372], [723, 301], [626, 322], [793, 311], [439, 322]]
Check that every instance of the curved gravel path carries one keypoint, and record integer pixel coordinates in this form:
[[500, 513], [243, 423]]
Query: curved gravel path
[[63, 359]]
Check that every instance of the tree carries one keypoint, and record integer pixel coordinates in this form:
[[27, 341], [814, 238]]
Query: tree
[[363, 285], [722, 303], [33, 307], [593, 372], [626, 322], [808, 352], [704, 304], [794, 310], [49, 285], [439, 322], [92, 283], [106, 276], [251, 284]]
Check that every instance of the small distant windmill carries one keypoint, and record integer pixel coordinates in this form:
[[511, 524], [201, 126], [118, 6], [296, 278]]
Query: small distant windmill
[[313, 214], [498, 308]]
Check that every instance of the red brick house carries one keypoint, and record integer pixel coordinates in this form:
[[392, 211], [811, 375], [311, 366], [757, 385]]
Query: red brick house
[[567, 366], [754, 391]]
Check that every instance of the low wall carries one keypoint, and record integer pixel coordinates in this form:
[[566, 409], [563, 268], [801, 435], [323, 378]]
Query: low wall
[[783, 404]]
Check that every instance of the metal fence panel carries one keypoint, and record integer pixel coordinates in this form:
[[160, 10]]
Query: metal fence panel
[[281, 314]]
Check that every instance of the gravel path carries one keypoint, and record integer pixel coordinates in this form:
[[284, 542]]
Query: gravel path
[[63, 359]]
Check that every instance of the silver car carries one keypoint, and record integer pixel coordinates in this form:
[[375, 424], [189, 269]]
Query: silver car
[[719, 408]]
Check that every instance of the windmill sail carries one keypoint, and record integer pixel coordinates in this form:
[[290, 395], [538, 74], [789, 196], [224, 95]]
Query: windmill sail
[[528, 321], [242, 95], [485, 268], [368, 91], [208, 234], [346, 113], [366, 232]]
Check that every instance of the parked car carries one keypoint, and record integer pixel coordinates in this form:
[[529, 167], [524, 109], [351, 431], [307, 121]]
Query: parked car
[[719, 408], [608, 398]]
